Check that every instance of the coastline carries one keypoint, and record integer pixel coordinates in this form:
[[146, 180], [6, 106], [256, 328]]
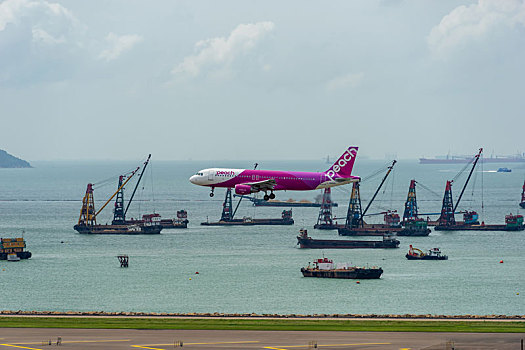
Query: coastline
[[216, 315]]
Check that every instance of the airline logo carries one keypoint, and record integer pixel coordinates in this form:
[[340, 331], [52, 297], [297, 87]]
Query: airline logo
[[223, 172], [347, 157]]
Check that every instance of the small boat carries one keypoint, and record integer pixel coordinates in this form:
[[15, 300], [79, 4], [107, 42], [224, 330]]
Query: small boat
[[417, 254], [12, 249], [325, 268], [504, 170]]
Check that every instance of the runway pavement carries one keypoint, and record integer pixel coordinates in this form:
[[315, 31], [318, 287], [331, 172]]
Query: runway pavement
[[129, 339]]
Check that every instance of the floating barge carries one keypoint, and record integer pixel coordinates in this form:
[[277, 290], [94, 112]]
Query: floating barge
[[118, 229], [304, 241], [258, 202], [325, 268], [87, 221], [228, 216], [180, 222], [286, 219], [13, 249], [512, 223]]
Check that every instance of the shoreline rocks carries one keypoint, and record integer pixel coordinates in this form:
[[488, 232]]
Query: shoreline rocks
[[258, 316]]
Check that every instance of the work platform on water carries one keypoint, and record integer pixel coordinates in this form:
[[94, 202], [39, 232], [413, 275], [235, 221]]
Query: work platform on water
[[447, 220], [325, 220], [228, 216], [305, 241], [87, 221], [290, 203], [356, 226]]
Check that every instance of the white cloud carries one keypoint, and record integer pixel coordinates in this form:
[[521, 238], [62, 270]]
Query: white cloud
[[118, 45], [10, 10], [41, 36], [474, 22], [221, 51], [43, 16], [351, 80]]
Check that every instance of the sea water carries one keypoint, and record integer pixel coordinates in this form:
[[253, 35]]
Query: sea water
[[253, 269]]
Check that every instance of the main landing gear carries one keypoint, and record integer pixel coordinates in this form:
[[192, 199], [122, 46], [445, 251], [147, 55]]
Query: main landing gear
[[211, 193], [269, 196]]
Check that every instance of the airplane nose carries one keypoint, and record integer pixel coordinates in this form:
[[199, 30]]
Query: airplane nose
[[193, 179]]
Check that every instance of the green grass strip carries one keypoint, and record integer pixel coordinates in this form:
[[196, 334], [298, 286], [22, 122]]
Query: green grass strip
[[265, 324]]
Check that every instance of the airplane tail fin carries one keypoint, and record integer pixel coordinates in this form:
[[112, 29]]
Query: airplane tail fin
[[345, 163]]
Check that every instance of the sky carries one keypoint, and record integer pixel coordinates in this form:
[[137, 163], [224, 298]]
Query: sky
[[263, 80]]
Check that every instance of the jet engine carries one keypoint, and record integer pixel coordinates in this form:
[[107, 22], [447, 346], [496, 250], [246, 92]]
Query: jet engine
[[243, 189]]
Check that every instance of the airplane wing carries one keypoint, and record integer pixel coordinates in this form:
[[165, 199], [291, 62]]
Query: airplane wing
[[265, 185]]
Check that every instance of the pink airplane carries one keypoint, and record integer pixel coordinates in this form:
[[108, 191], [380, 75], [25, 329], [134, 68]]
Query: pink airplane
[[247, 181]]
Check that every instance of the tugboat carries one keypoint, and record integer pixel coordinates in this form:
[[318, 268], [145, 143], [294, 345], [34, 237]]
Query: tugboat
[[12, 249], [504, 170], [325, 268], [417, 254]]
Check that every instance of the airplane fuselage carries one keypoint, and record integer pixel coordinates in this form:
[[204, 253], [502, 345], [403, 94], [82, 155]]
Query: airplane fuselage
[[247, 181], [285, 180]]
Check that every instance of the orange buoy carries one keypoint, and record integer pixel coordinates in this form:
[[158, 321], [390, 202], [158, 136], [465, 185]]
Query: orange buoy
[[501, 261], [197, 272], [357, 282]]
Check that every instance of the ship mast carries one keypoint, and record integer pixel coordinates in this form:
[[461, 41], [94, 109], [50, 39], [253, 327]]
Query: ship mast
[[137, 185], [325, 212], [476, 158], [379, 188], [410, 213], [523, 194], [87, 212], [120, 188]]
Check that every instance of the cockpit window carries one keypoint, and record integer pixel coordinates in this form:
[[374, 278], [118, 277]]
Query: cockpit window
[[200, 174]]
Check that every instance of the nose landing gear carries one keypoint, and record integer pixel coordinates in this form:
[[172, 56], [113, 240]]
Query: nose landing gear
[[211, 193]]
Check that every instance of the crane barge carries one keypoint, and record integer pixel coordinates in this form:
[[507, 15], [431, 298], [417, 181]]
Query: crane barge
[[355, 224], [447, 221], [87, 221]]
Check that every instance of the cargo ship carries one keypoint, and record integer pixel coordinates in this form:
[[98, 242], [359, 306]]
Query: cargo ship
[[12, 249], [417, 254], [305, 241], [451, 159], [325, 268]]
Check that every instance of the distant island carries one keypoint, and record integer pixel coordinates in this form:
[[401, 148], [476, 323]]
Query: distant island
[[9, 161]]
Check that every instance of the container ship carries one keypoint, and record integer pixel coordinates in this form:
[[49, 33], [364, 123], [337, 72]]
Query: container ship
[[325, 268], [451, 159], [13, 249]]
